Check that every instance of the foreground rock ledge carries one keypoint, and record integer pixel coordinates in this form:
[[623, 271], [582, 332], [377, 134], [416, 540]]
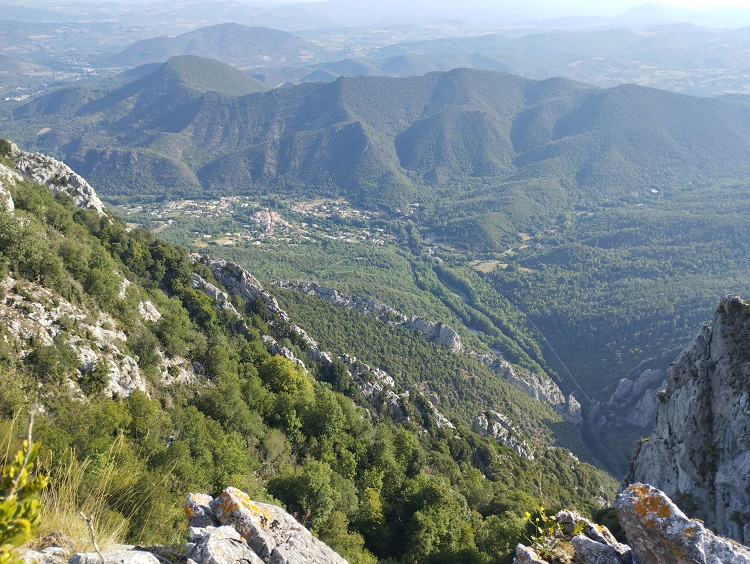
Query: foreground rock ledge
[[234, 528], [659, 532]]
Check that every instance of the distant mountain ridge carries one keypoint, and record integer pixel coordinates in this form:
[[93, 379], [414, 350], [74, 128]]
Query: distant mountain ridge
[[232, 43], [386, 141]]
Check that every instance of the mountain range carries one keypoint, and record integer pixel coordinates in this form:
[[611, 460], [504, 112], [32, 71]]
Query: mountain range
[[387, 141]]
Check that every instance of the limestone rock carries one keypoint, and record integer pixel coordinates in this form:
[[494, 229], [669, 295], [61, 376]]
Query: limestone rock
[[198, 511], [271, 534], [501, 428], [699, 451], [239, 282], [435, 332], [219, 545], [58, 177], [7, 176], [49, 555], [593, 544], [538, 387], [120, 556], [659, 532], [32, 312]]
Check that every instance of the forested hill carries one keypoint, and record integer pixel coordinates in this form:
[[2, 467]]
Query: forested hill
[[494, 140]]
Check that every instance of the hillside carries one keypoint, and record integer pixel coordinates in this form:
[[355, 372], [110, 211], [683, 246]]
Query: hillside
[[542, 200], [200, 380], [383, 140]]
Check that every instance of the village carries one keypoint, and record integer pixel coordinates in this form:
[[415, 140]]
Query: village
[[242, 220]]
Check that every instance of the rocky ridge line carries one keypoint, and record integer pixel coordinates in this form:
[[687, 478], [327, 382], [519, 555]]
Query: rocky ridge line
[[375, 384], [538, 387], [432, 331], [699, 453]]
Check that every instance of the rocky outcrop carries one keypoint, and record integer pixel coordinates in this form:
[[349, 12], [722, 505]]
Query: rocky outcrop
[[433, 331], [58, 177], [634, 402], [538, 387], [30, 312], [501, 428], [576, 540], [8, 177], [233, 528], [698, 453], [239, 282], [659, 532]]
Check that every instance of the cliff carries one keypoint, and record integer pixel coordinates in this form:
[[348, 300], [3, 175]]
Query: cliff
[[698, 452]]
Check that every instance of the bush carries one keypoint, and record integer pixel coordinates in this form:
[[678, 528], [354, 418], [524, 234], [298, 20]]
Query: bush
[[19, 505]]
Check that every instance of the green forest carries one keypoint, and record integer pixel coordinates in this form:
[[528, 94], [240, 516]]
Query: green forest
[[370, 488]]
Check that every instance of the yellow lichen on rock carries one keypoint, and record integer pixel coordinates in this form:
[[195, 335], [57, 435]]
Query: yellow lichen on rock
[[233, 500], [648, 504]]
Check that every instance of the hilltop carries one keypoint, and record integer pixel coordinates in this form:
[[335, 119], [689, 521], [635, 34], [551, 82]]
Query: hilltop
[[232, 43]]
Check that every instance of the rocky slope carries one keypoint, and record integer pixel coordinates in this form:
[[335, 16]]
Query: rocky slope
[[698, 452], [432, 331], [538, 387], [54, 174], [375, 385]]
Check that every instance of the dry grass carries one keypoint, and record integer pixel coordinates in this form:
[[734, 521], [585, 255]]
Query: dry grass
[[87, 487]]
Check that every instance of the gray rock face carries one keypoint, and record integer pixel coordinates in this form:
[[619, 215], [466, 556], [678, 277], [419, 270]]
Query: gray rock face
[[634, 402], [41, 319], [123, 556], [262, 533], [219, 545], [501, 428], [534, 385], [8, 177], [699, 451], [433, 331], [239, 282], [58, 177], [659, 532]]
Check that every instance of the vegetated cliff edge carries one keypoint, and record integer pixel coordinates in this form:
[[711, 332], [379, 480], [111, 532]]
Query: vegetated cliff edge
[[698, 453]]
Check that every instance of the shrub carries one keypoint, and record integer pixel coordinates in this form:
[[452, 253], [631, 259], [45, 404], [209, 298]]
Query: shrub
[[19, 505]]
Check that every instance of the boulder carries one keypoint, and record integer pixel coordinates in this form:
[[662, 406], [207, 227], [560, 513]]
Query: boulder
[[265, 533], [219, 545], [659, 532], [119, 556]]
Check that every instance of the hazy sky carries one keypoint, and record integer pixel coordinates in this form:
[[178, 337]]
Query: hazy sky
[[596, 5]]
